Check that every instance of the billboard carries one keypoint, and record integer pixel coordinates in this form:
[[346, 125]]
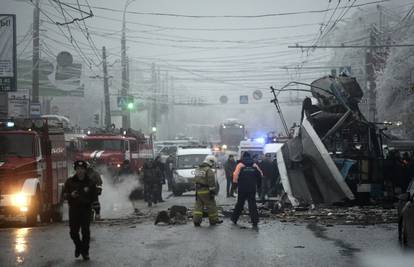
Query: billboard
[[48, 84], [8, 71], [18, 103]]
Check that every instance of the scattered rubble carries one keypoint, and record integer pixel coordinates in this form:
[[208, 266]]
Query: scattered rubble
[[330, 216]]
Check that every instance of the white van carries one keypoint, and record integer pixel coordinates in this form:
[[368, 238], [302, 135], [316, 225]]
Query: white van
[[272, 149], [252, 146], [187, 160]]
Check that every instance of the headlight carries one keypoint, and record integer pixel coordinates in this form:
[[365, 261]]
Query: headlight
[[20, 200]]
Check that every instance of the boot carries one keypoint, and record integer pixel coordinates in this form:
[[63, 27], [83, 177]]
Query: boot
[[85, 256], [77, 252]]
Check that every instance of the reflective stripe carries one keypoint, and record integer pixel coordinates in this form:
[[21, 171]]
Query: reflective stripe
[[202, 192], [197, 212], [213, 188]]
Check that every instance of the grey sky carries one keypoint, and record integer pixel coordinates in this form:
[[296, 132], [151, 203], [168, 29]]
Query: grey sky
[[204, 62]]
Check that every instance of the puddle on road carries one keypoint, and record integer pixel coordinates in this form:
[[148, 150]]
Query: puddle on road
[[20, 244], [320, 232]]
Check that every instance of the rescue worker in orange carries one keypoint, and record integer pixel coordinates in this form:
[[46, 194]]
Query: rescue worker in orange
[[247, 176]]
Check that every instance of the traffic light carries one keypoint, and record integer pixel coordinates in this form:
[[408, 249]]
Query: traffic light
[[96, 118], [130, 105]]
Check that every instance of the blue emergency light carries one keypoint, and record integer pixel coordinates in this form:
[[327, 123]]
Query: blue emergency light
[[260, 140]]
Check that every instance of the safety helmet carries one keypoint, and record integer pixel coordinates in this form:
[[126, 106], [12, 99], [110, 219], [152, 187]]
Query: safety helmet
[[210, 160], [81, 164]]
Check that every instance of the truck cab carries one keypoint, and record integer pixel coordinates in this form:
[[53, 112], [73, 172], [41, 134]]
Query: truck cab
[[111, 150], [33, 169]]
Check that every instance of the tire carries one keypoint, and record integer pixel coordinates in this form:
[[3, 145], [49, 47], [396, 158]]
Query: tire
[[31, 217], [177, 192]]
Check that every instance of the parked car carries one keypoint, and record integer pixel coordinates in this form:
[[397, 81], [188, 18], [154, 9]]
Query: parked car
[[406, 217]]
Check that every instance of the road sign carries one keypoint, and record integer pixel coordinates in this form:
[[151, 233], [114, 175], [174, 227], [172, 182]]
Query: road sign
[[35, 110], [244, 99], [257, 95], [122, 101], [223, 99], [8, 71]]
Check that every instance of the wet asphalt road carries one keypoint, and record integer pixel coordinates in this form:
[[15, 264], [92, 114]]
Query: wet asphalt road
[[128, 240]]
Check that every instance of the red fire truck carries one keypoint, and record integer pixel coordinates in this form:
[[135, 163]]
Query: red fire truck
[[33, 170], [112, 149]]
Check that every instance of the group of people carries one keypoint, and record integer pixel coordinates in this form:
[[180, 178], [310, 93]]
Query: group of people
[[269, 171], [246, 176]]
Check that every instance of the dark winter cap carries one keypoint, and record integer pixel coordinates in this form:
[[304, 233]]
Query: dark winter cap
[[246, 155], [80, 163]]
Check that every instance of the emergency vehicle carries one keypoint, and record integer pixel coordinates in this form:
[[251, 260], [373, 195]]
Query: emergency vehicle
[[112, 149], [33, 169], [253, 146]]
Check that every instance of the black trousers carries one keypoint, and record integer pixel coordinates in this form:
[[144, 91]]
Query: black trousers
[[251, 200], [151, 194], [80, 220], [230, 186]]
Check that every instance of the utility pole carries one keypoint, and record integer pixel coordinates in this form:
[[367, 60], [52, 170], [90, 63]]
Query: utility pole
[[171, 111], [126, 121], [36, 53], [106, 90]]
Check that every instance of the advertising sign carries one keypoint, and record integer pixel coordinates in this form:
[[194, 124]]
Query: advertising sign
[[8, 71], [18, 104]]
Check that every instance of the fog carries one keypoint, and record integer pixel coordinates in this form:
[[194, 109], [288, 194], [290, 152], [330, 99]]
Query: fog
[[184, 55]]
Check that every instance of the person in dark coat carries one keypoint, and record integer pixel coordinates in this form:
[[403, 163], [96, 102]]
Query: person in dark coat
[[161, 166], [229, 167], [169, 165], [248, 177], [270, 174], [80, 192], [152, 180]]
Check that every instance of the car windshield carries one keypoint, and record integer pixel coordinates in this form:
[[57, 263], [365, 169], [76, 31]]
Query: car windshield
[[20, 145], [97, 144], [190, 161], [169, 150]]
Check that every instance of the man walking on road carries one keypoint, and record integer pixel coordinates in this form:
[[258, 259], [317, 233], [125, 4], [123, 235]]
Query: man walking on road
[[229, 168], [152, 180], [205, 181], [248, 176], [80, 192]]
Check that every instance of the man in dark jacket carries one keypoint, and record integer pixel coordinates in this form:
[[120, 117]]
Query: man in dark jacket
[[248, 176], [152, 179], [80, 192], [270, 174], [161, 167], [229, 168]]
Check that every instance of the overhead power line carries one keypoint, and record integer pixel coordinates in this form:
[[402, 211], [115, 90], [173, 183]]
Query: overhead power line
[[350, 46], [231, 16]]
